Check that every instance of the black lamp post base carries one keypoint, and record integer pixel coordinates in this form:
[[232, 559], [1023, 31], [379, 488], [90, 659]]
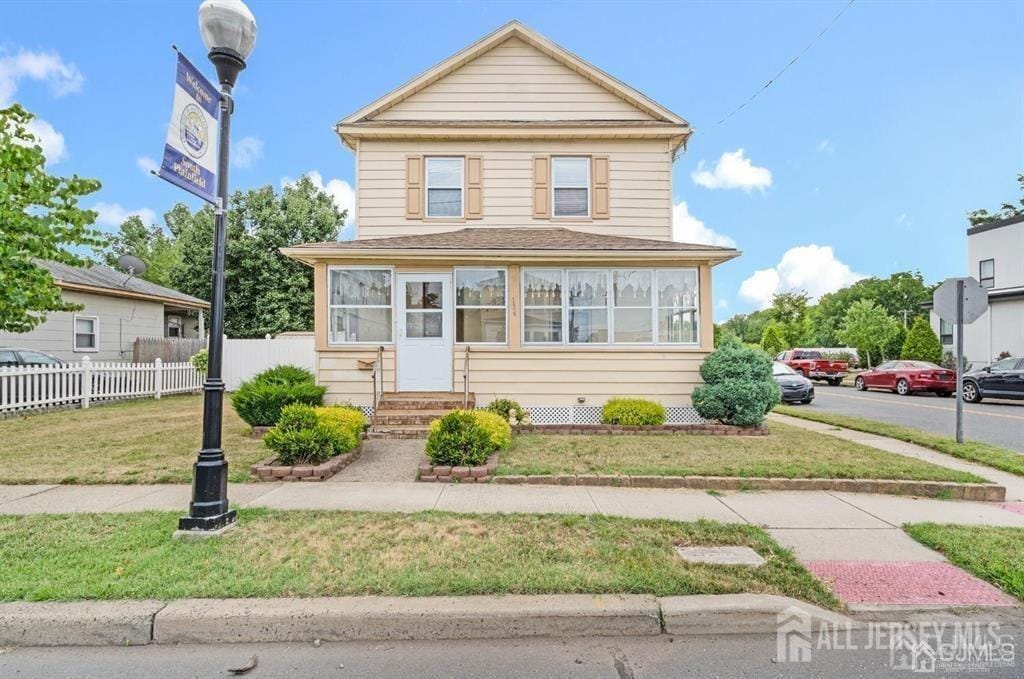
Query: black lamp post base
[[207, 523]]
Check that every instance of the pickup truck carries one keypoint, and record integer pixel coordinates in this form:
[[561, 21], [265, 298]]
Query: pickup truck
[[814, 366]]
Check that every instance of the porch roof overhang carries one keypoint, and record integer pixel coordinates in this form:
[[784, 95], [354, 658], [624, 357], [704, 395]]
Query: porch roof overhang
[[516, 244]]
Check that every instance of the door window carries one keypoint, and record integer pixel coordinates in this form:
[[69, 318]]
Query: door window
[[1005, 364], [424, 304]]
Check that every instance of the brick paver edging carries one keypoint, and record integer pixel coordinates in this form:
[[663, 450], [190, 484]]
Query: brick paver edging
[[983, 492], [707, 428], [446, 474], [268, 471]]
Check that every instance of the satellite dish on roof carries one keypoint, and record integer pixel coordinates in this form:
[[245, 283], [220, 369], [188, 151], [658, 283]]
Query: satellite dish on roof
[[131, 265]]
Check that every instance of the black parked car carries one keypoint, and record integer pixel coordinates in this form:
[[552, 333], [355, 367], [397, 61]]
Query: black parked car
[[795, 387], [1002, 379]]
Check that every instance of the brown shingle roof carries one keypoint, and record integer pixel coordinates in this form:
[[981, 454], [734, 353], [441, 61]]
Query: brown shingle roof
[[516, 238]]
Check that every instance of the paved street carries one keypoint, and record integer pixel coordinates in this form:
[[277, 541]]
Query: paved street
[[997, 422], [620, 657]]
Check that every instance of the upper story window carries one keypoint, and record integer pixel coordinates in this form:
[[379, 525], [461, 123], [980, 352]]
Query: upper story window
[[445, 181], [570, 186], [987, 273], [359, 305], [945, 331]]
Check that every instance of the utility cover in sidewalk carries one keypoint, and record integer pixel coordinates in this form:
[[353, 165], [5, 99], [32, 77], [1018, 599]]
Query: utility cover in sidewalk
[[729, 556]]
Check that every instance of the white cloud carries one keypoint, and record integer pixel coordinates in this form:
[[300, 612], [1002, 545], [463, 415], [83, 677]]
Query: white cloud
[[733, 171], [688, 229], [903, 219], [63, 78], [112, 214], [813, 269], [339, 190], [246, 151], [49, 139], [723, 303], [147, 164], [826, 146]]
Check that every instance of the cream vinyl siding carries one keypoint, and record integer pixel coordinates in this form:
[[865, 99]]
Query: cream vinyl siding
[[513, 81], [640, 185]]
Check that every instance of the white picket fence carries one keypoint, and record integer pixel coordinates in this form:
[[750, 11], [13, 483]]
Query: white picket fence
[[245, 358], [47, 386]]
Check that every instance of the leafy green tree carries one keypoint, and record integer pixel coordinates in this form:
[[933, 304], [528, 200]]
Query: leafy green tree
[[1007, 210], [869, 329], [748, 327], [149, 243], [39, 219], [774, 339], [922, 344], [266, 292]]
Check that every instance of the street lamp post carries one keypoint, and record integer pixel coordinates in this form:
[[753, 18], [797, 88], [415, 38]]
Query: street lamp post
[[229, 32]]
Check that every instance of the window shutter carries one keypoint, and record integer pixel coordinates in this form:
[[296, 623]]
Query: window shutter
[[541, 187], [599, 179], [414, 187], [474, 187]]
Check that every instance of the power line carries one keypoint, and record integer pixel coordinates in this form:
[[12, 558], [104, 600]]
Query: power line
[[791, 62]]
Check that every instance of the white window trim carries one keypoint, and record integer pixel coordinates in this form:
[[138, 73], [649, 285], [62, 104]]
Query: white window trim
[[588, 187], [655, 308], [456, 306], [95, 333], [330, 340], [461, 187]]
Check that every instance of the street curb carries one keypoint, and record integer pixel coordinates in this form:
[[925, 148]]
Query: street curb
[[371, 618]]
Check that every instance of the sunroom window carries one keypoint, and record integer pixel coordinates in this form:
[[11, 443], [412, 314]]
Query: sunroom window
[[588, 307], [480, 306], [359, 305], [444, 187], [677, 306], [570, 184], [632, 320], [542, 306]]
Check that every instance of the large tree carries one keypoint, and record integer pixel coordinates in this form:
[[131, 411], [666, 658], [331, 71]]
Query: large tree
[[266, 291], [921, 343], [151, 244], [790, 311], [748, 327], [869, 329], [1007, 210], [39, 219]]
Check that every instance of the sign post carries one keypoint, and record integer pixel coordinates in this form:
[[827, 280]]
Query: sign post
[[960, 301]]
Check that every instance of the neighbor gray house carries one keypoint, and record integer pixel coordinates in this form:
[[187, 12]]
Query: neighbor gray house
[[116, 309]]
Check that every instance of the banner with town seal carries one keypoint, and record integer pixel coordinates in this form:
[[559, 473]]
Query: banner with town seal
[[190, 154]]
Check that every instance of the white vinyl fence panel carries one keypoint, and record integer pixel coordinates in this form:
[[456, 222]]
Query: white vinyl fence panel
[[48, 386], [245, 358]]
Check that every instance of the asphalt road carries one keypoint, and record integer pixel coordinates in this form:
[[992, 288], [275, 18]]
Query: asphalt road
[[997, 422], [590, 658]]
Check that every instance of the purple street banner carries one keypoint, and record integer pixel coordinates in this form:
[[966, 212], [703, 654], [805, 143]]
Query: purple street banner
[[190, 154]]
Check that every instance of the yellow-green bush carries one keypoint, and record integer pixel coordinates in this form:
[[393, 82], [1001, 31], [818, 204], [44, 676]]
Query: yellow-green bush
[[632, 412], [341, 416], [499, 431]]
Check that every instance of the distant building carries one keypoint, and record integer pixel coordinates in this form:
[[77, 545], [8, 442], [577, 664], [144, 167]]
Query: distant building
[[116, 309], [995, 257]]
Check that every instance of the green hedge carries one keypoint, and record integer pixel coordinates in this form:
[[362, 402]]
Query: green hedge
[[467, 437], [259, 401], [307, 435], [507, 408], [739, 388], [632, 412]]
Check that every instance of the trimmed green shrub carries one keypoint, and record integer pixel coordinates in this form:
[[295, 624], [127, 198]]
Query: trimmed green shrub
[[346, 417], [921, 344], [739, 388], [506, 408], [458, 439], [301, 437], [632, 412], [259, 401], [499, 431]]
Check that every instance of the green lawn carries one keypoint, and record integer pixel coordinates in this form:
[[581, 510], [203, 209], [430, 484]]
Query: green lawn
[[305, 553], [145, 441], [975, 451], [993, 553], [787, 452]]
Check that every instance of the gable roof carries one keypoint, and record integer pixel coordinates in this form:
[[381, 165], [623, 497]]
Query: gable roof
[[533, 242], [516, 29], [101, 280]]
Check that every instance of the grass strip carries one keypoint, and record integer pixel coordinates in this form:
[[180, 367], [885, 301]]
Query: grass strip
[[993, 553], [275, 553], [987, 454], [787, 452]]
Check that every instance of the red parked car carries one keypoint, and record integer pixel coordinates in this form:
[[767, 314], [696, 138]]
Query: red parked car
[[906, 377]]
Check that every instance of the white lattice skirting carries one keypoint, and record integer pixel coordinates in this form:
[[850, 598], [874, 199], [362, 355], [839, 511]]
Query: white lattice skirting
[[592, 415]]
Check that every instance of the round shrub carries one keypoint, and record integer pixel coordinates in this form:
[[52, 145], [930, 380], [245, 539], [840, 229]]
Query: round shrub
[[739, 388], [286, 374], [632, 412], [458, 440], [345, 417], [499, 431], [260, 403], [300, 437], [507, 408]]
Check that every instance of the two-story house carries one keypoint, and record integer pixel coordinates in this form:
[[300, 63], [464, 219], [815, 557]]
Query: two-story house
[[514, 211], [995, 257]]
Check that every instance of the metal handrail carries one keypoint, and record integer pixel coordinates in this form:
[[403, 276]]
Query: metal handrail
[[465, 380], [378, 369]]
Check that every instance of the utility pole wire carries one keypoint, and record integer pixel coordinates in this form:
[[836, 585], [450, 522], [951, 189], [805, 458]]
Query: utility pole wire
[[786, 67]]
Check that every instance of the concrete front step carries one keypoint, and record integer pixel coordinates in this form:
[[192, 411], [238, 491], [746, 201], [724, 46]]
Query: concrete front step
[[386, 418], [423, 400], [397, 432]]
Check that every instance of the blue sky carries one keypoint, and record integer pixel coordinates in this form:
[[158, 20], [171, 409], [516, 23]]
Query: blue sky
[[861, 160]]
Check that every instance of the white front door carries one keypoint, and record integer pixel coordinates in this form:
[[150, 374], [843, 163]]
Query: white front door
[[424, 332]]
